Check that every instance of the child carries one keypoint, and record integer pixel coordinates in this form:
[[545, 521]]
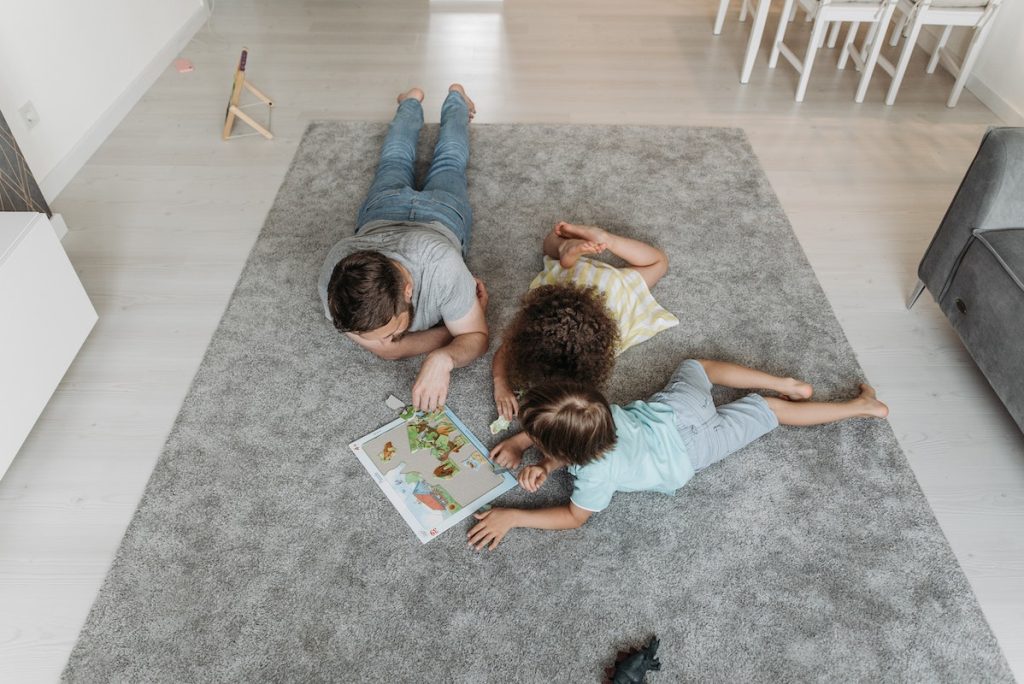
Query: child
[[655, 445], [580, 313]]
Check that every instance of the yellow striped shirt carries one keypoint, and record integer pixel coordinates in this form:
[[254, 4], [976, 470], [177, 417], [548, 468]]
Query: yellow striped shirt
[[626, 294]]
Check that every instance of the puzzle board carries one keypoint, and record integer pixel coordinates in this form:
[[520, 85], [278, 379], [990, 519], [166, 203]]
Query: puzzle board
[[432, 469]]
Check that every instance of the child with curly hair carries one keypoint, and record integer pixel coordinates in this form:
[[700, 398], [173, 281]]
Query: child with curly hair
[[654, 445], [580, 313]]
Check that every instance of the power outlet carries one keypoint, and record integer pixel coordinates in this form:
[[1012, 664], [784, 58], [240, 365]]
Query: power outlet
[[29, 114]]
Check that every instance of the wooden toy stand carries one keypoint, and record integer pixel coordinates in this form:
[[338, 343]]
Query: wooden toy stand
[[235, 109]]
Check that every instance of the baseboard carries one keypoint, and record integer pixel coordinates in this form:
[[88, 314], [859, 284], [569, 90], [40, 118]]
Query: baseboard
[[58, 178], [991, 99], [929, 38]]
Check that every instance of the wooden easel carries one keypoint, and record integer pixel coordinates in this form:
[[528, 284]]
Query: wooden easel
[[235, 110]]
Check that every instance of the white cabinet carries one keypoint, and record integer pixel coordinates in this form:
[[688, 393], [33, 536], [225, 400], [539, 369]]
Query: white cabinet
[[45, 317]]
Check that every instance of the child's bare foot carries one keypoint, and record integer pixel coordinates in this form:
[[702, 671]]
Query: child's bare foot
[[871, 407], [589, 233], [570, 251], [457, 87], [794, 390], [414, 93]]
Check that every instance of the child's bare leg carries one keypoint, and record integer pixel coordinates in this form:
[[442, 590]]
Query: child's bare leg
[[734, 375], [650, 262], [866, 405], [569, 250]]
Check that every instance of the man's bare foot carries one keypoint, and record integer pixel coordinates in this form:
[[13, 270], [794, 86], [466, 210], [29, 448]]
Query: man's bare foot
[[414, 93], [457, 87], [871, 407], [589, 233], [570, 251], [794, 390]]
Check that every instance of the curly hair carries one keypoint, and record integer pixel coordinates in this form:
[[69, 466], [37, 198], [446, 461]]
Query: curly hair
[[561, 332]]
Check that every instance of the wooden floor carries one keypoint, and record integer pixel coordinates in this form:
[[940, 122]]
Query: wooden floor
[[163, 216]]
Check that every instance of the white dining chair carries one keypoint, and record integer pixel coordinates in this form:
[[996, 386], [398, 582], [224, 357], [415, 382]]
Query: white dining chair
[[723, 9], [759, 12], [877, 13], [979, 15]]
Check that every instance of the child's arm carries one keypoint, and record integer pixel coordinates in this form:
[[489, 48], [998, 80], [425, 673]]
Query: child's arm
[[509, 452], [504, 397], [649, 261], [495, 523], [532, 477]]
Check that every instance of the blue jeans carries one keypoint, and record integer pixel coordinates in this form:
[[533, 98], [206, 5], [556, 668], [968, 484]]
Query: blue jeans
[[444, 197]]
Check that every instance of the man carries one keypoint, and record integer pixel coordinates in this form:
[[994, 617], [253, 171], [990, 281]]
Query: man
[[400, 287]]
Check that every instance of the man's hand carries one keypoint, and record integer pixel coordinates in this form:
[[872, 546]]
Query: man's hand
[[431, 388], [505, 400], [532, 477], [509, 453], [492, 528], [481, 293]]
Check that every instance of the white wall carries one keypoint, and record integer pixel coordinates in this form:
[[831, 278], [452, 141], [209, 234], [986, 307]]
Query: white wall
[[998, 76], [1000, 68], [83, 64]]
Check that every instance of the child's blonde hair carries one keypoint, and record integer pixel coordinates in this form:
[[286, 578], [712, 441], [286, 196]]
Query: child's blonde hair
[[568, 421]]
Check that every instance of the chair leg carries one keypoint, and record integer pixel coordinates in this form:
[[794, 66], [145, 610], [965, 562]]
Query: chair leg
[[824, 35], [792, 13], [870, 38], [914, 294], [780, 33], [901, 66], [743, 10], [934, 61], [754, 42], [833, 36], [970, 57], [723, 8], [817, 33], [876, 48], [897, 30], [844, 54]]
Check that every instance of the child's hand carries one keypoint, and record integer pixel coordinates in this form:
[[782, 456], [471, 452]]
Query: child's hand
[[507, 454], [532, 477], [505, 400], [492, 528]]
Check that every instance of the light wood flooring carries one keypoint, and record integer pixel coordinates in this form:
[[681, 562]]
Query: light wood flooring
[[163, 216]]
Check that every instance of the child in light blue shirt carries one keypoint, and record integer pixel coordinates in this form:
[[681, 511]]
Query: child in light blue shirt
[[654, 445]]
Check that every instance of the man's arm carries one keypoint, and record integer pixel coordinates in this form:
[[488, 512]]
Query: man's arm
[[469, 342], [411, 344], [495, 523]]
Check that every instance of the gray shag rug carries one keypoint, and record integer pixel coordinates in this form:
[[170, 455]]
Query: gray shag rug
[[262, 550]]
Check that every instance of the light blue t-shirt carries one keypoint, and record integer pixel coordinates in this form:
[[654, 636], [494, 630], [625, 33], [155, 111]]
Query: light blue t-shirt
[[649, 455]]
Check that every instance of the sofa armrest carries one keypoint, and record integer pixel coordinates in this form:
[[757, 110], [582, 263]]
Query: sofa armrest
[[991, 195]]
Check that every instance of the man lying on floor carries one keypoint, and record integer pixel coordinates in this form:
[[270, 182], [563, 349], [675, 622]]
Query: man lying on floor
[[399, 286]]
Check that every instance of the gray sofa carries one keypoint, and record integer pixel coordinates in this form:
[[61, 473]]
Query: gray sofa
[[974, 266]]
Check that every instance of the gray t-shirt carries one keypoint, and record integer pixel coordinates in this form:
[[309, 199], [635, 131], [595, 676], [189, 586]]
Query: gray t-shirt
[[443, 289]]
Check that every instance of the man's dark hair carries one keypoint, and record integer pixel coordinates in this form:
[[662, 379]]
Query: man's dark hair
[[562, 331], [366, 291], [568, 421]]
